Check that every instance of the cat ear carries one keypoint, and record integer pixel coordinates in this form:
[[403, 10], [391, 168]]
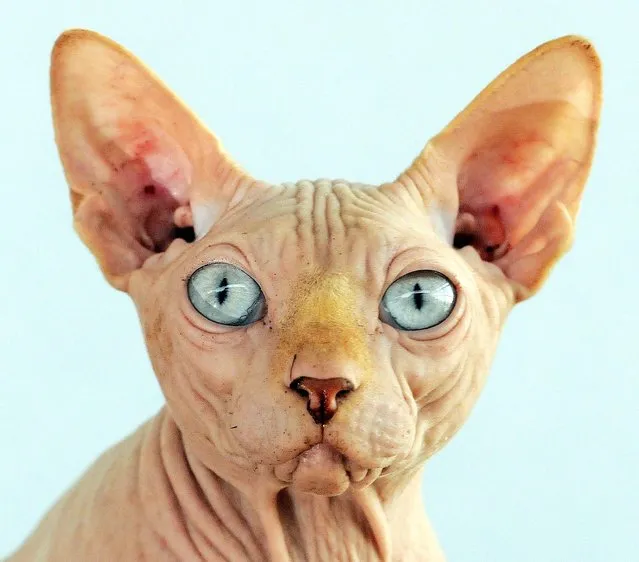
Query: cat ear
[[511, 167], [141, 168]]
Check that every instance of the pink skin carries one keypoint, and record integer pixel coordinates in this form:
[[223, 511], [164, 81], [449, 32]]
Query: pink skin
[[234, 467]]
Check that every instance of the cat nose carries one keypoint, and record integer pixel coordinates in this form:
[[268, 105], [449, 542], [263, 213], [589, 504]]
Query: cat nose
[[322, 395]]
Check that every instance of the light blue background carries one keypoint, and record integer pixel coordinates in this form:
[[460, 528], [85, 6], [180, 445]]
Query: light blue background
[[547, 467]]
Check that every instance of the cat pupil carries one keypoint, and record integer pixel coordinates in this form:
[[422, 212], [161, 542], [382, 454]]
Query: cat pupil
[[418, 296], [222, 293]]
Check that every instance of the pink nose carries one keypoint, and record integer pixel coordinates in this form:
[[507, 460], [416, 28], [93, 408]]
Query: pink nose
[[322, 395]]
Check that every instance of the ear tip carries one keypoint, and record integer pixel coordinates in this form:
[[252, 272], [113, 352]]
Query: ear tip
[[577, 43], [70, 40], [585, 48], [83, 47], [72, 36]]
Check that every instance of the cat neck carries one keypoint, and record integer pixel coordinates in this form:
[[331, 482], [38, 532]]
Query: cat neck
[[207, 518]]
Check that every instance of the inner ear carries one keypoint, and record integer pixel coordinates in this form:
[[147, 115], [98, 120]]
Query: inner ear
[[187, 234], [484, 231], [153, 208], [146, 188]]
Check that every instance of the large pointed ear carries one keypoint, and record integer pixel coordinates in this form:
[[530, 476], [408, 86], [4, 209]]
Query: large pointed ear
[[511, 167], [142, 169]]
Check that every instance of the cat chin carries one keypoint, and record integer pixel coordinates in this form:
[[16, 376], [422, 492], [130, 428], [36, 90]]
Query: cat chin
[[322, 470]]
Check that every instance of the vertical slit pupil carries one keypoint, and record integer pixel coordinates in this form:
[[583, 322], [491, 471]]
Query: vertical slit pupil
[[418, 296], [222, 292]]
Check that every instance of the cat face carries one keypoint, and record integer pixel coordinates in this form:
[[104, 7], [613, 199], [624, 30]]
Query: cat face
[[337, 299], [322, 335]]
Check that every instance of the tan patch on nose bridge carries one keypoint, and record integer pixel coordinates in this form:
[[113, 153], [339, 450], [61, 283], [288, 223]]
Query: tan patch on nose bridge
[[322, 317]]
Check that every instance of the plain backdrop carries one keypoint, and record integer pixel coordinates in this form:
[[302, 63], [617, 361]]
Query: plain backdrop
[[546, 469]]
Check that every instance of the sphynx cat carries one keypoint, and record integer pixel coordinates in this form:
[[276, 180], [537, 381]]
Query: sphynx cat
[[316, 341]]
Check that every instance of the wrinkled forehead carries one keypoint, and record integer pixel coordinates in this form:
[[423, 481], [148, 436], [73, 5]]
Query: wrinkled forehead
[[333, 225]]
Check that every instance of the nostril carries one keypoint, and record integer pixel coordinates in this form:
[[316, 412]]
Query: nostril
[[322, 395], [344, 392], [298, 386]]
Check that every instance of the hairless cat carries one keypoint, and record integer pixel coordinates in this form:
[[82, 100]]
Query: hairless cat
[[316, 342]]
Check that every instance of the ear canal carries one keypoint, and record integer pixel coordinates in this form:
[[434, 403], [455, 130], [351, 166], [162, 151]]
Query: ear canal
[[511, 167], [141, 168]]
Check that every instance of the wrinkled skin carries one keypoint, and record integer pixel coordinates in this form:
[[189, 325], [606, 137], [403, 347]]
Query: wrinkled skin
[[234, 467]]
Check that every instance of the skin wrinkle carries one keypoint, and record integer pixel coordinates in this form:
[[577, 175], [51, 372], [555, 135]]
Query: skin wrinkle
[[208, 417], [151, 525], [442, 411], [204, 522], [233, 467], [443, 389], [169, 522], [469, 368], [303, 226], [320, 228], [227, 512], [222, 440], [333, 216], [373, 515], [414, 177], [177, 477], [348, 537], [204, 549], [288, 516]]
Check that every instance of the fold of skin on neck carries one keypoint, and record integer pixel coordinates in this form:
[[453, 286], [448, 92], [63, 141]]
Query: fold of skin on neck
[[197, 515], [151, 498]]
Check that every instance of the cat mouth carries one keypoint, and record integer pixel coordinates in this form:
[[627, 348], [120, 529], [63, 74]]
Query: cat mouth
[[322, 470]]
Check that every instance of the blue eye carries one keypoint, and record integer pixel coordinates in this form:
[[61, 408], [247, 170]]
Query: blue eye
[[418, 300], [226, 295]]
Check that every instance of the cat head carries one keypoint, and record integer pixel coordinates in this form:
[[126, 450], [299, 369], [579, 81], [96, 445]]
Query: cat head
[[323, 334]]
